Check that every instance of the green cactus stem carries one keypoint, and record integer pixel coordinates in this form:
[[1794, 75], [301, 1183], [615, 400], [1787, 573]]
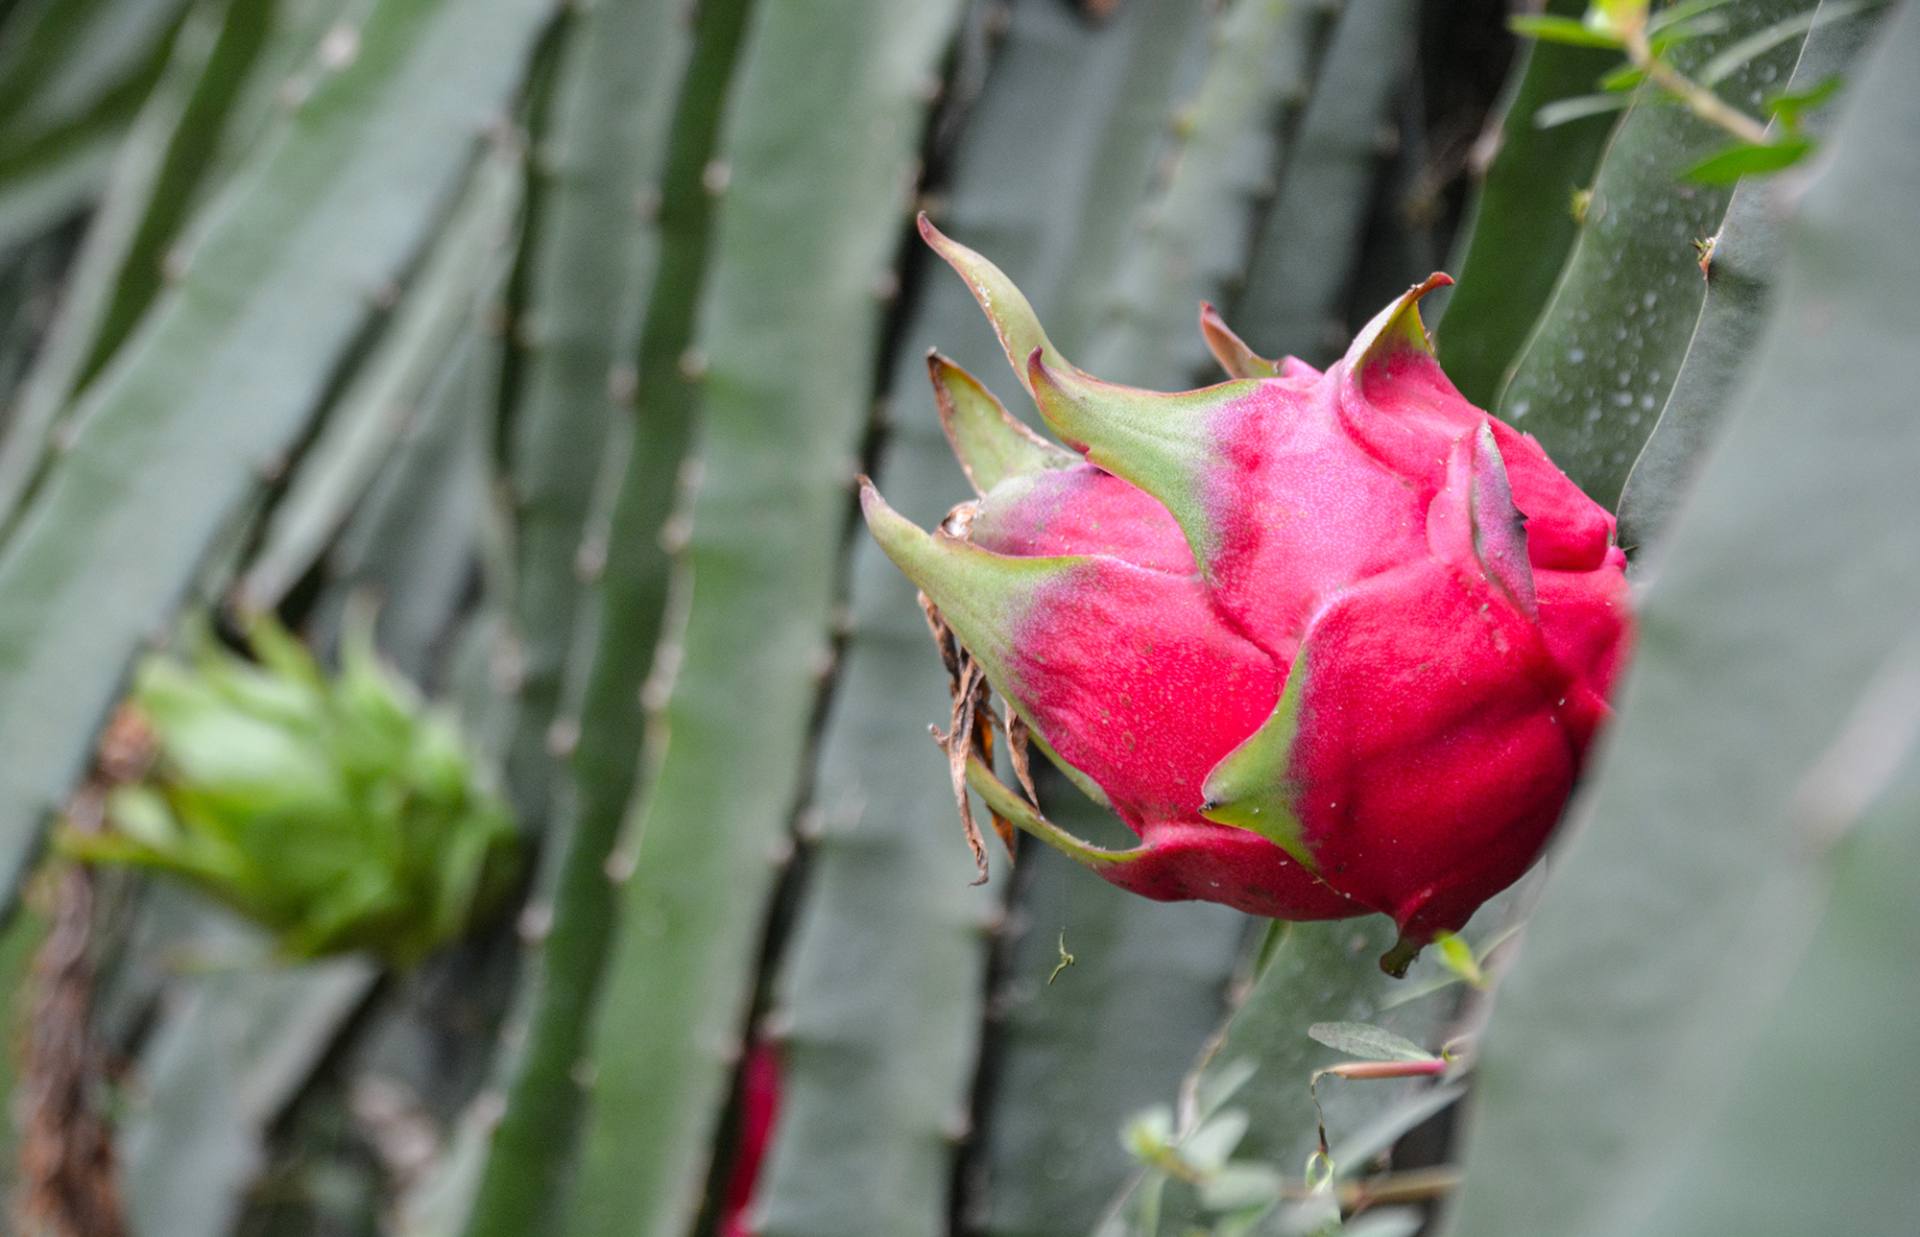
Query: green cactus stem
[[803, 248]]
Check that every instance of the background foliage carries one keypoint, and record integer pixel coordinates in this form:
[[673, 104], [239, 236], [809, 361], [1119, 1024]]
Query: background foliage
[[561, 333]]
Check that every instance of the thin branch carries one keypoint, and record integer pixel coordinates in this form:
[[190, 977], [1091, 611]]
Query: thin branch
[[1698, 99]]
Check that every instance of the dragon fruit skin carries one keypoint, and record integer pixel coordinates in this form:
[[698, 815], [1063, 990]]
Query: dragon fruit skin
[[1328, 643], [759, 1112]]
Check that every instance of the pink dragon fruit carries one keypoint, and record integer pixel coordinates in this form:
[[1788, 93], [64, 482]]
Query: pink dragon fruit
[[1329, 643], [759, 1110]]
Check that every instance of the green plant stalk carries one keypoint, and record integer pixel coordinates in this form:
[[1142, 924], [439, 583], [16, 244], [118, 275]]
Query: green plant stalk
[[420, 523], [531, 1151], [293, 59], [1757, 611], [218, 386], [877, 1012], [1603, 356], [1405, 235], [805, 239], [1142, 67], [1817, 1099], [227, 79], [590, 256], [1745, 262], [31, 278], [58, 183], [1521, 224], [1698, 99], [426, 1041], [1065, 1042], [1113, 1035], [119, 267], [476, 664], [214, 96], [1090, 159], [1308, 250], [77, 74], [1195, 232], [386, 398], [66, 56], [481, 651], [219, 1068], [873, 1085], [411, 544]]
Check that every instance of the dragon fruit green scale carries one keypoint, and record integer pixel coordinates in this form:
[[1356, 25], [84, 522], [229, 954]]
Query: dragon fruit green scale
[[1328, 643]]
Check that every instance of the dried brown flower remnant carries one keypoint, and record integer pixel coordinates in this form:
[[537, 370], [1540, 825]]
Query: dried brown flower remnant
[[69, 1181]]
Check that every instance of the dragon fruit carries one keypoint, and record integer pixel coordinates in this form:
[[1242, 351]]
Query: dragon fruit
[[1328, 643], [759, 1110]]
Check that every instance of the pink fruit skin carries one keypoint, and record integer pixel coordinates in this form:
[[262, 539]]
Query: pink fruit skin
[[1455, 667], [759, 1109]]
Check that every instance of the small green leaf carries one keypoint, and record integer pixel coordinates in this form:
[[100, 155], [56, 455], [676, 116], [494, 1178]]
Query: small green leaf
[[1368, 1042], [1457, 956], [1789, 106], [1564, 111], [1569, 30], [1749, 159], [1625, 77]]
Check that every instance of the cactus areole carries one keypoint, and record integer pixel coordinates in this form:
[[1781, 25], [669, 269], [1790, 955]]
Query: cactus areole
[[1328, 643]]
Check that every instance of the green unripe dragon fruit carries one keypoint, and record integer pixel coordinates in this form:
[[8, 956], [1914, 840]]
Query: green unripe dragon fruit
[[1328, 643], [338, 813]]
